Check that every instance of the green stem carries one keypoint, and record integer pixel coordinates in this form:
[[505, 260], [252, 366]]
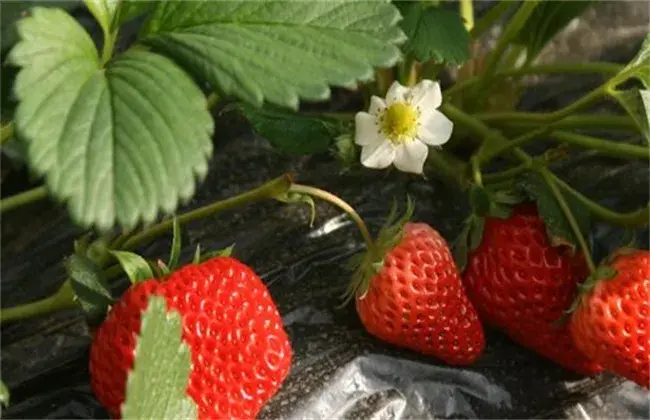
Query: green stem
[[497, 177], [527, 119], [485, 22], [21, 199], [338, 202], [109, 43], [512, 29], [635, 218], [504, 147], [476, 170], [550, 181], [467, 13], [640, 217], [606, 147], [271, 189], [448, 166], [7, 132], [608, 69], [62, 299]]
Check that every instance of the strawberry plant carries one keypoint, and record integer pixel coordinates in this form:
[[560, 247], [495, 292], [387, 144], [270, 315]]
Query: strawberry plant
[[119, 130]]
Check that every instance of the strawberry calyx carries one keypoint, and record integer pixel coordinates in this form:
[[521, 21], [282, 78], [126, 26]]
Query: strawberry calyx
[[366, 265], [604, 272], [484, 202]]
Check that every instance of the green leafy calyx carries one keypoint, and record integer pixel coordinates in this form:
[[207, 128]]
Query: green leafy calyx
[[367, 264]]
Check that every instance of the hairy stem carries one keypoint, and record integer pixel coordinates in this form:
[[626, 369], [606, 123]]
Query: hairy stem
[[338, 202], [550, 181], [271, 189], [23, 198], [109, 43], [606, 147], [512, 29], [448, 166], [476, 170], [635, 218], [60, 300], [527, 119], [497, 177], [605, 68]]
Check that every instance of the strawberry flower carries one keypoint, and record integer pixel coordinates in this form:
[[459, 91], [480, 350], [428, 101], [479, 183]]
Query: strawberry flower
[[399, 129]]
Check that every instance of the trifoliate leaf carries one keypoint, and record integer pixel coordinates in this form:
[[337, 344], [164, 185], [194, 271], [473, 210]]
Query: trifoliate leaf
[[278, 51], [117, 144], [156, 387], [4, 394], [176, 245], [90, 287], [547, 19], [135, 267], [434, 33], [104, 12], [293, 133], [557, 226]]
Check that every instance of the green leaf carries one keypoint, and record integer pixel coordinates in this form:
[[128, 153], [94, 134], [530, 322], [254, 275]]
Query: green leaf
[[197, 255], [434, 33], [634, 103], [547, 19], [176, 245], [4, 394], [479, 200], [117, 144], [12, 11], [130, 9], [293, 133], [476, 232], [557, 226], [500, 210], [226, 252], [90, 287], [135, 267], [104, 12], [345, 151], [278, 51], [460, 247], [294, 197], [156, 387]]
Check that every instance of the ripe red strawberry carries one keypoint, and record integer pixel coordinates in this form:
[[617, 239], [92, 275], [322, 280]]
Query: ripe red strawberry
[[522, 285], [417, 301], [240, 351], [611, 324]]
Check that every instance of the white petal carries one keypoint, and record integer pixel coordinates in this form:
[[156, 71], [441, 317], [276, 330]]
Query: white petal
[[396, 93], [366, 132], [426, 95], [410, 157], [377, 105], [378, 156], [434, 128]]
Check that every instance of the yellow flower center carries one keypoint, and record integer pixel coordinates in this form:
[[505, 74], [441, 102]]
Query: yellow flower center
[[399, 122]]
